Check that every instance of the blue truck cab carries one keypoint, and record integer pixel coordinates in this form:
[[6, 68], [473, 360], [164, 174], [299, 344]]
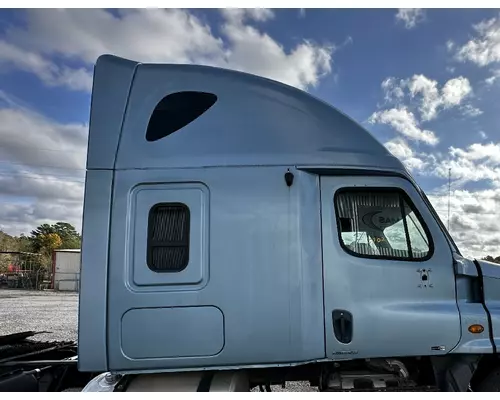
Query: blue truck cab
[[239, 232]]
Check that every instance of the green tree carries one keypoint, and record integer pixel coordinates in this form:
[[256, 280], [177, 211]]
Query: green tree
[[70, 239], [24, 243], [50, 242], [21, 244], [7, 243], [492, 259]]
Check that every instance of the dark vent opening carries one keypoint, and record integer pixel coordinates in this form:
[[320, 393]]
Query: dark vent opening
[[177, 110], [168, 237]]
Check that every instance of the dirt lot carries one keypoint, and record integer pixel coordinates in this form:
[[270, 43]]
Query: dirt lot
[[53, 312]]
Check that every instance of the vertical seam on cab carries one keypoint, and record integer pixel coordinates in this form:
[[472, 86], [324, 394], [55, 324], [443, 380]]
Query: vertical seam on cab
[[483, 302], [110, 218], [323, 287]]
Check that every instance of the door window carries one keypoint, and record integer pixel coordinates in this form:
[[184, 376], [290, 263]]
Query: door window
[[381, 223]]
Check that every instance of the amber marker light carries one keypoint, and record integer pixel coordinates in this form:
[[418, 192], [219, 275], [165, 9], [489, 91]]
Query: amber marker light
[[476, 328]]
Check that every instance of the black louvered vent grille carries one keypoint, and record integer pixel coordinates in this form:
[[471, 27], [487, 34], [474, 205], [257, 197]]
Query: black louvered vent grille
[[168, 237]]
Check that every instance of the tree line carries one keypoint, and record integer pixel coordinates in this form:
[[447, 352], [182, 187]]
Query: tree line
[[492, 259], [37, 247], [46, 238]]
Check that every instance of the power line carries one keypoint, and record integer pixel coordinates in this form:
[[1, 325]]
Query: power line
[[41, 166], [45, 173], [52, 178], [23, 146]]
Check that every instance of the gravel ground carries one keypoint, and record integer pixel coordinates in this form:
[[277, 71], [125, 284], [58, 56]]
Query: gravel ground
[[53, 312], [57, 313], [292, 387]]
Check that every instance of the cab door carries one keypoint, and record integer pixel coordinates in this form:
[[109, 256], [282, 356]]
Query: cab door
[[389, 283]]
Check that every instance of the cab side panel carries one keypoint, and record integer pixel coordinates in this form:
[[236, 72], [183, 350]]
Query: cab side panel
[[252, 290]]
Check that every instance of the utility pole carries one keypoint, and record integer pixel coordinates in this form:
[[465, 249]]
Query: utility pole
[[449, 196]]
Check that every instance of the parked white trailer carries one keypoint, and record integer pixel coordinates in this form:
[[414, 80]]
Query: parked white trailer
[[66, 270]]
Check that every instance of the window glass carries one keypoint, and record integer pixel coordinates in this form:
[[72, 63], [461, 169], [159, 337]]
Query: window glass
[[381, 223], [176, 111]]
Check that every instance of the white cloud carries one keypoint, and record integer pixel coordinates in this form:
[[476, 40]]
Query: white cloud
[[148, 35], [455, 90], [27, 138], [411, 17], [393, 89], [486, 153], [42, 169], [50, 188], [470, 210], [52, 75], [493, 78], [428, 89], [450, 45], [431, 99], [475, 163], [258, 53], [466, 170], [400, 149], [238, 15], [484, 48], [471, 111], [451, 95], [404, 121], [420, 99], [17, 218], [170, 36], [414, 164]]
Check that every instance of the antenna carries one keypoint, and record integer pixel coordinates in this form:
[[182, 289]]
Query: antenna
[[449, 196]]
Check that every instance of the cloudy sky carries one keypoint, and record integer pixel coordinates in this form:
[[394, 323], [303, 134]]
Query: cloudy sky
[[426, 83]]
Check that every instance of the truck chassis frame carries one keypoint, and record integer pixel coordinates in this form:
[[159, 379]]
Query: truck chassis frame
[[34, 366]]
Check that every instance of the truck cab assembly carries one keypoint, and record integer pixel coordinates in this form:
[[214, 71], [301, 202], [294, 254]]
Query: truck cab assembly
[[239, 233]]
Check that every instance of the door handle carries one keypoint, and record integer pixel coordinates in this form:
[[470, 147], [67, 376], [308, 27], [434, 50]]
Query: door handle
[[342, 325]]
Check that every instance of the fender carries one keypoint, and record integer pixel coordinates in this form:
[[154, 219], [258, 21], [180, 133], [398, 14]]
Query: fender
[[490, 274], [489, 279]]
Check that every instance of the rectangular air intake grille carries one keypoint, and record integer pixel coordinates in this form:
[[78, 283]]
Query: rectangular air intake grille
[[168, 237]]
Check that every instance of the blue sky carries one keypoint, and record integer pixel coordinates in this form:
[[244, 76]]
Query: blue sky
[[426, 83]]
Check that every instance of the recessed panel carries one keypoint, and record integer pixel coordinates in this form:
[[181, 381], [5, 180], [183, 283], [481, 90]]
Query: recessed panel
[[168, 229], [172, 332]]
